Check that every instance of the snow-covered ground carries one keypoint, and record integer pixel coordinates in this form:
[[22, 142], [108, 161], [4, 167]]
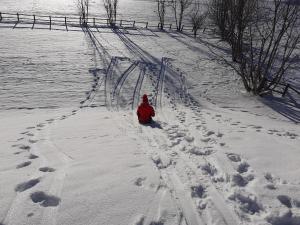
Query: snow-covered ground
[[215, 154]]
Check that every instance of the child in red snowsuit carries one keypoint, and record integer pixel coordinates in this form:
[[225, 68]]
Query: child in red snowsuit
[[145, 111]]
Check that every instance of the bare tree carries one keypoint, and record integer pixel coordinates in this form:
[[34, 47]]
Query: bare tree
[[241, 13], [179, 7], [232, 18], [269, 46], [111, 7], [83, 8], [161, 12], [197, 18], [218, 12]]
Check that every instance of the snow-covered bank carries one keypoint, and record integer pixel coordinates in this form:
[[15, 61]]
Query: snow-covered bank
[[197, 166], [39, 70], [214, 156], [86, 169]]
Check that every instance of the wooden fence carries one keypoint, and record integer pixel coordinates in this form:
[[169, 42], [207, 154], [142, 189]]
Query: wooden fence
[[77, 21]]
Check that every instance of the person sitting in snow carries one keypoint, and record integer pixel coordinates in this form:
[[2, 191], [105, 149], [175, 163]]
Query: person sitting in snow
[[145, 111]]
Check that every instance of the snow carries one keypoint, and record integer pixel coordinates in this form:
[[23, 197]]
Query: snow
[[72, 151]]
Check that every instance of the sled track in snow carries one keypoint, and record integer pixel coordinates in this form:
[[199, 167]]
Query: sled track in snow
[[138, 86], [160, 84], [121, 80], [107, 82]]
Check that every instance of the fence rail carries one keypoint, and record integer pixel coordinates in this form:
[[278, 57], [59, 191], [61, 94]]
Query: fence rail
[[69, 21], [77, 21]]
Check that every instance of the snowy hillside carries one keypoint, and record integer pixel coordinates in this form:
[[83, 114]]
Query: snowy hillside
[[73, 152]]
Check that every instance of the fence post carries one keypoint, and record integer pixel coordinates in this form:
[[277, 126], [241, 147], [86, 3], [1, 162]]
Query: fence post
[[133, 25], [0, 16], [50, 22], [66, 23], [18, 17], [170, 26], [285, 90], [94, 21], [146, 25], [33, 22], [121, 23]]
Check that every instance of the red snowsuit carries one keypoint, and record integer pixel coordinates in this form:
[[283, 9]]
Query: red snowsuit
[[145, 112]]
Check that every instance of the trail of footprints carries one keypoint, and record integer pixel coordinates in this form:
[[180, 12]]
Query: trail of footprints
[[28, 135], [257, 128], [245, 202], [42, 198]]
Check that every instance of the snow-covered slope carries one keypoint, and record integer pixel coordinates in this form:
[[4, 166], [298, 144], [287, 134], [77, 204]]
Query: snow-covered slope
[[214, 155]]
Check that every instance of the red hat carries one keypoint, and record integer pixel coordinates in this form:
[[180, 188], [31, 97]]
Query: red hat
[[145, 98]]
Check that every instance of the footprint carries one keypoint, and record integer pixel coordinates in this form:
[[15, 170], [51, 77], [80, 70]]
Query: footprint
[[26, 185], [30, 214], [25, 147], [257, 127], [28, 128], [135, 165], [139, 181], [40, 125], [219, 134], [243, 167], [198, 151], [206, 139], [285, 200], [17, 153], [32, 141], [30, 134], [198, 191], [283, 218], [32, 156], [271, 186], [44, 199], [24, 164], [209, 133], [209, 169], [189, 139], [239, 180], [46, 169], [234, 157], [248, 202]]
